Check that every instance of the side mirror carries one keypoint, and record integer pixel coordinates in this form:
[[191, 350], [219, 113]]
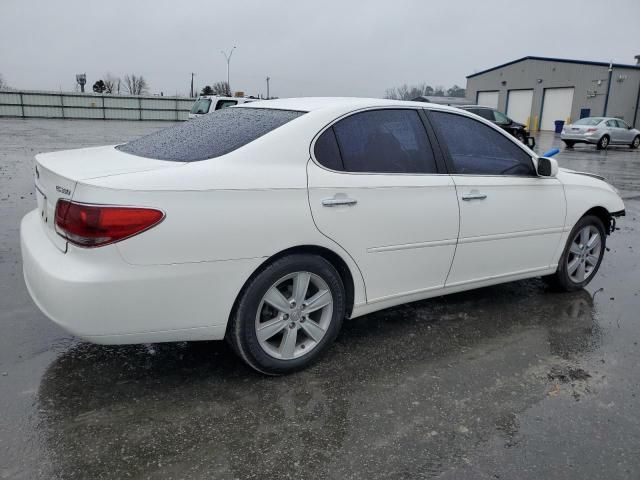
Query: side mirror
[[547, 167]]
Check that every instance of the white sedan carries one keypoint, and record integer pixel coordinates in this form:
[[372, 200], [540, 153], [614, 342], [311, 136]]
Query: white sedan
[[269, 223]]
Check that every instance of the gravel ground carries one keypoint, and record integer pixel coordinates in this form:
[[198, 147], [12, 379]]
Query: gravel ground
[[511, 381]]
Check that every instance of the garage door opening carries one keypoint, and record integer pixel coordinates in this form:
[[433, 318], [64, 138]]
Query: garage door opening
[[519, 106], [488, 99], [556, 106]]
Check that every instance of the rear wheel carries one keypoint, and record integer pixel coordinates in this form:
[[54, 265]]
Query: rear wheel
[[569, 143], [288, 314], [582, 255], [603, 143], [636, 142]]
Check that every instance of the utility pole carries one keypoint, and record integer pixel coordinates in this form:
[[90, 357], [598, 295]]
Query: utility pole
[[192, 74], [606, 99], [228, 59], [268, 78]]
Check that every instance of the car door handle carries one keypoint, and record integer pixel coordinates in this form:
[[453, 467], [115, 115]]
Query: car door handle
[[338, 200], [474, 195]]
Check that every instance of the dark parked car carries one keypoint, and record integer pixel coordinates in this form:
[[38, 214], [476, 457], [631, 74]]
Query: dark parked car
[[516, 129]]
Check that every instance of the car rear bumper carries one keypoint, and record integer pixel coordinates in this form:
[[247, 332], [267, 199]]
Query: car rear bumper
[[580, 138], [96, 295]]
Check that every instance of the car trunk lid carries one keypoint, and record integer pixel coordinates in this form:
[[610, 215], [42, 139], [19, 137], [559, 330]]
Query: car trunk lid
[[58, 173]]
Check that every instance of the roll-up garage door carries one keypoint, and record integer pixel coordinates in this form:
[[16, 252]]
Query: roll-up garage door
[[556, 106], [488, 99], [519, 105]]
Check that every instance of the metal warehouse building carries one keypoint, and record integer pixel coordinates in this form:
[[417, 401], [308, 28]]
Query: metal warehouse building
[[538, 91]]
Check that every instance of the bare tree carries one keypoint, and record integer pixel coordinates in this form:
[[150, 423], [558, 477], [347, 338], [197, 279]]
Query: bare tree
[[135, 84], [409, 92], [110, 83], [221, 88], [456, 91], [3, 85]]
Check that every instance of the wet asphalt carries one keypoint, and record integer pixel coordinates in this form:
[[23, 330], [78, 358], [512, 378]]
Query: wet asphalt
[[509, 382]]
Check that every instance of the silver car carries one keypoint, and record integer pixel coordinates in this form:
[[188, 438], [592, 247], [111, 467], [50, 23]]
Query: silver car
[[602, 131]]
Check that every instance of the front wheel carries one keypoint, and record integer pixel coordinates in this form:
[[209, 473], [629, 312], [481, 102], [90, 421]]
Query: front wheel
[[603, 143], [288, 314], [636, 142], [582, 255]]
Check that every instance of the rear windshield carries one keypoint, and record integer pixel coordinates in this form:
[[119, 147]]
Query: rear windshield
[[588, 121], [209, 136], [201, 106]]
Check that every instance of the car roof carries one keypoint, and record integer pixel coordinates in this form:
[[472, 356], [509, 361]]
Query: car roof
[[475, 106], [220, 97], [310, 104]]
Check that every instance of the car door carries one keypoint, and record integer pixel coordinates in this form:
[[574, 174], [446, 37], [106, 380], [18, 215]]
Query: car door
[[511, 220], [613, 130], [376, 188], [624, 132]]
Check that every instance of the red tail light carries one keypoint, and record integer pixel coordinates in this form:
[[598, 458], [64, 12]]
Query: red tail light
[[589, 130], [98, 225]]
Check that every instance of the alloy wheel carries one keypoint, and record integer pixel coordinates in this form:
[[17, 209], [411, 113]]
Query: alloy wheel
[[294, 315], [584, 254]]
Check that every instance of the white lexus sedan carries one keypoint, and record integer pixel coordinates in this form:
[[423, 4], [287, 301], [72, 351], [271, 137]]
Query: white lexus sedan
[[269, 223]]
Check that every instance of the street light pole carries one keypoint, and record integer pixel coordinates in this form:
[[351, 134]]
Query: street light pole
[[268, 78], [228, 59], [192, 74]]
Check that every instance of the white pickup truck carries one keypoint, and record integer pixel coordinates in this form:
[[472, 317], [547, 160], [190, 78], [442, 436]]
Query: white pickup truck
[[208, 104]]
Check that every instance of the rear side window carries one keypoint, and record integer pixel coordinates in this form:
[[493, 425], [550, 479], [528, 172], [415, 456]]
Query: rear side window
[[327, 151], [201, 106], [225, 103], [485, 113], [477, 149], [379, 141], [209, 136]]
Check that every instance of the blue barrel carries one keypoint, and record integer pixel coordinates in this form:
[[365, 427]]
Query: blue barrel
[[559, 124]]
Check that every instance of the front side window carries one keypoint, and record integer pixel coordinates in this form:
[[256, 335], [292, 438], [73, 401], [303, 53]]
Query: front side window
[[477, 149], [201, 106], [622, 124], [378, 141], [501, 118]]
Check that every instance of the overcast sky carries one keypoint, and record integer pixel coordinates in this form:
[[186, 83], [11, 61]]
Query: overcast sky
[[324, 47]]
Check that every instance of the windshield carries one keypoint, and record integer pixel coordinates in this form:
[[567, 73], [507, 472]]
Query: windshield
[[209, 136], [201, 106], [588, 121]]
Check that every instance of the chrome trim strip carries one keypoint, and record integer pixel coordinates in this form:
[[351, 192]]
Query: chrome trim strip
[[407, 246], [502, 236]]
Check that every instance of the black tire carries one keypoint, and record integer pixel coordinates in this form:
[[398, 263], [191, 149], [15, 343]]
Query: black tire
[[603, 143], [635, 143], [241, 332], [561, 280], [569, 143]]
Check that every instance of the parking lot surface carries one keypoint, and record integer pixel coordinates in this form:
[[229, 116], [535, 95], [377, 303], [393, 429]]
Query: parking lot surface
[[511, 381]]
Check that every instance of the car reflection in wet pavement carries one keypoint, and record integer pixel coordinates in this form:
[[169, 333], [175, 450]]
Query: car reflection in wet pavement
[[511, 381]]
